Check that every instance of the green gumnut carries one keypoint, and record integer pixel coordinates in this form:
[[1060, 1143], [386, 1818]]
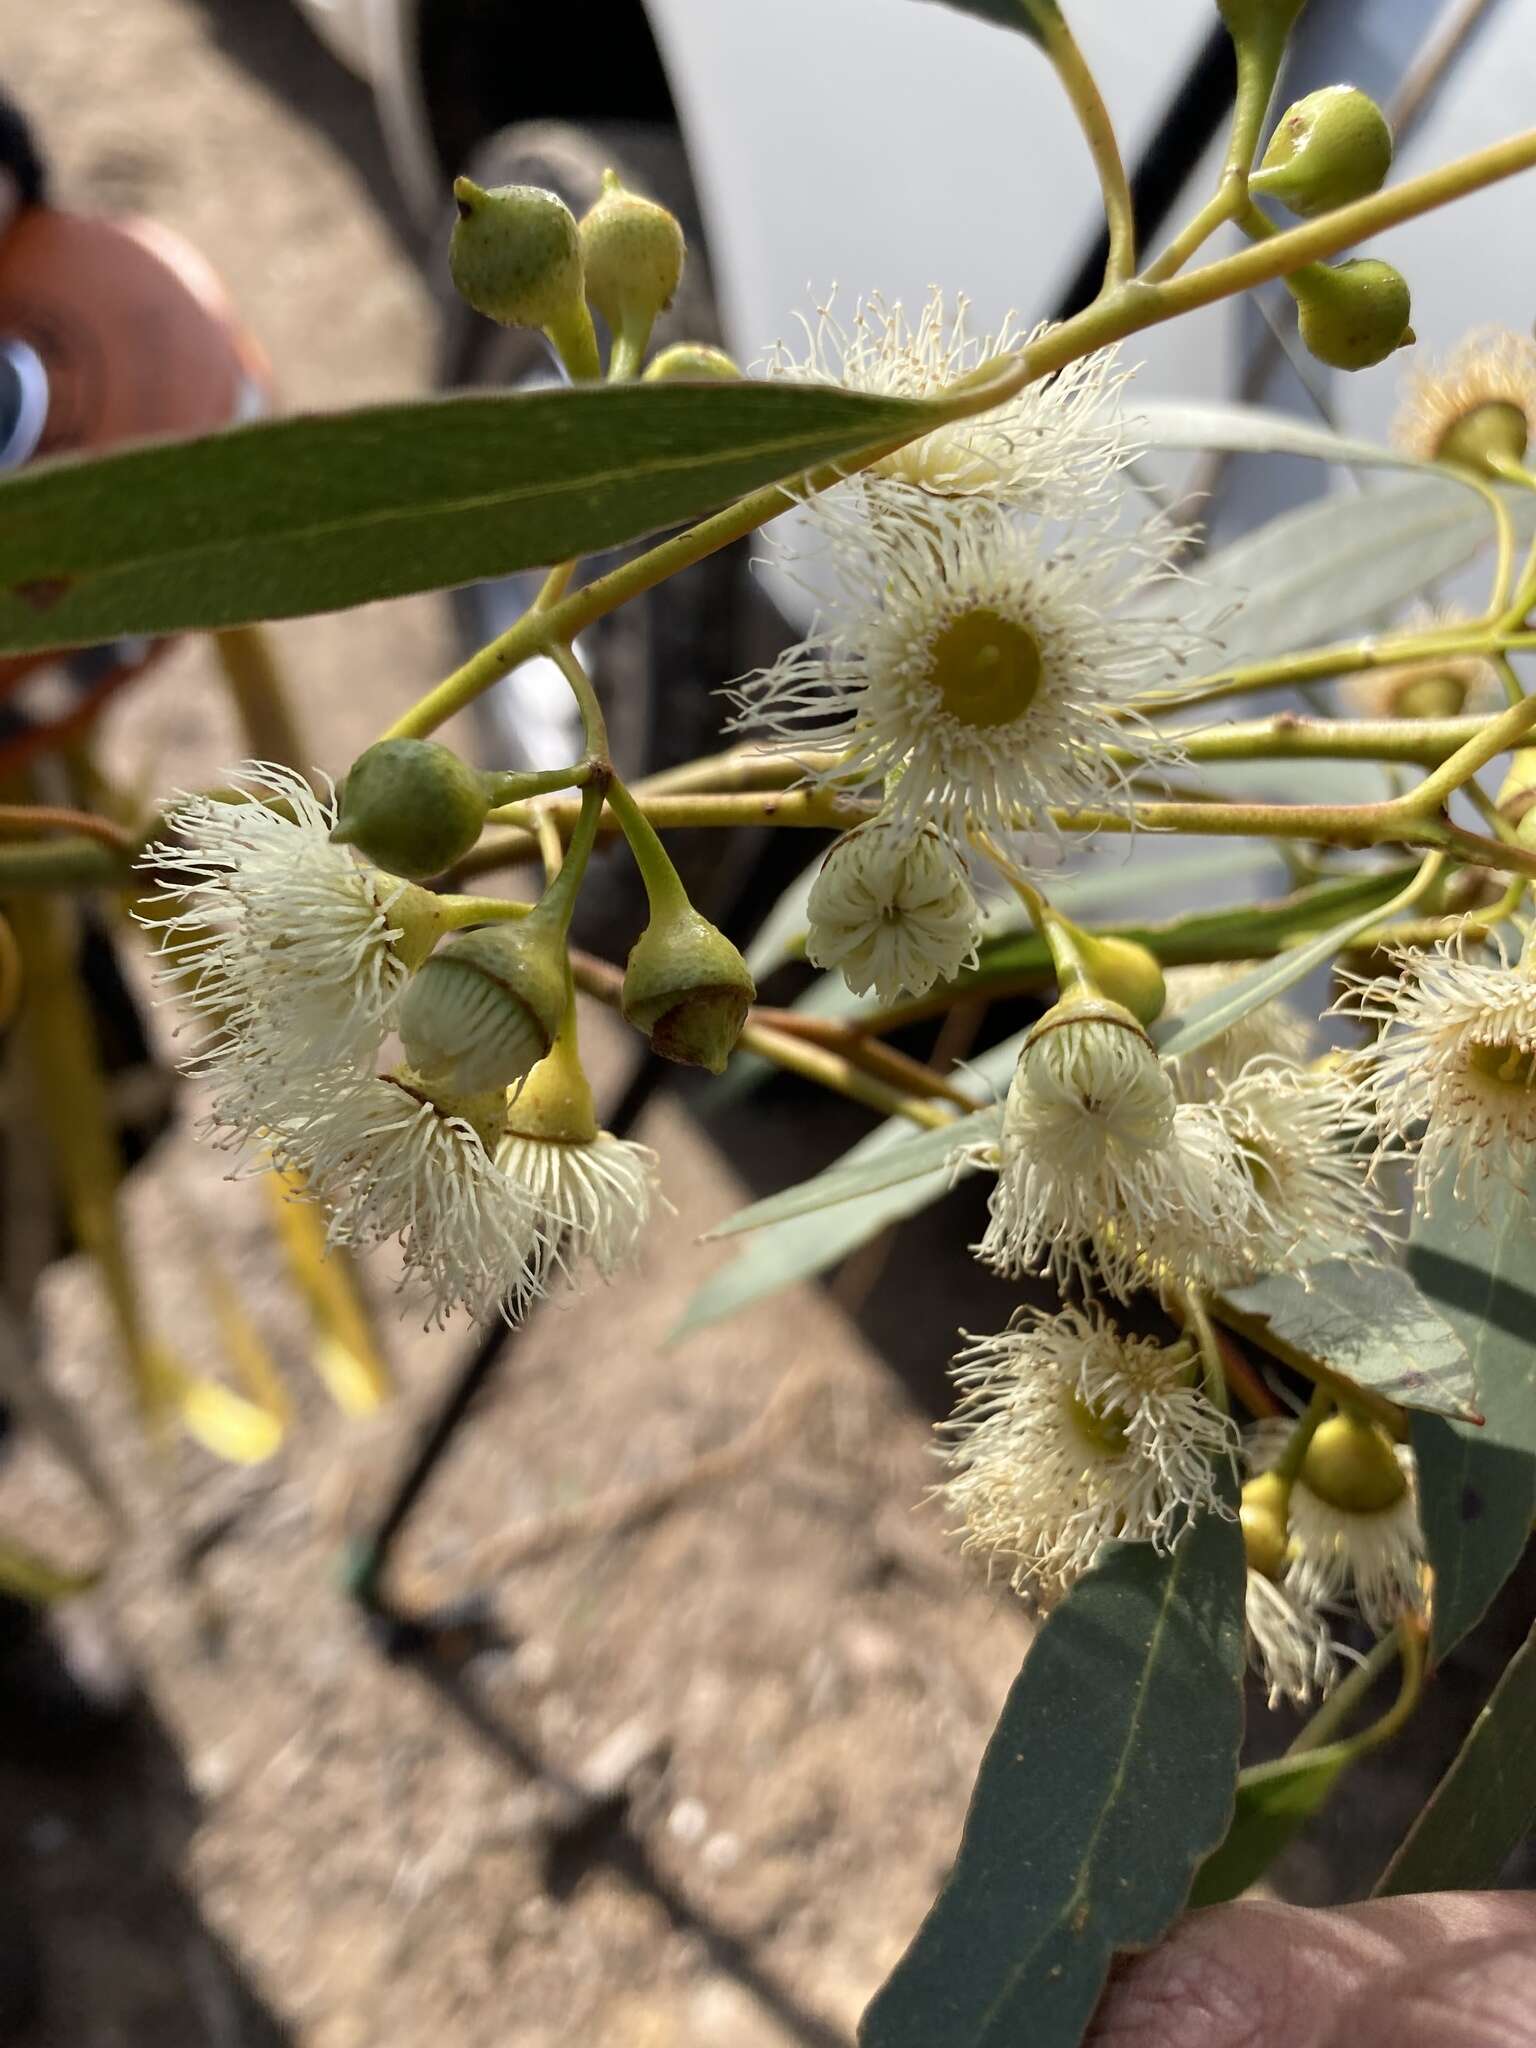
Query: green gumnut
[[516, 254], [688, 989], [690, 359], [1332, 147], [632, 256], [411, 806], [1353, 314]]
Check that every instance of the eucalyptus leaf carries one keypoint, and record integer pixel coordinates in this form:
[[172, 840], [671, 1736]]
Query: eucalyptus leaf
[[1312, 574], [1368, 1323], [885, 1167], [1477, 1487], [807, 1241], [1215, 1013], [1108, 1778], [1485, 1805], [310, 514], [1274, 1800], [1254, 429]]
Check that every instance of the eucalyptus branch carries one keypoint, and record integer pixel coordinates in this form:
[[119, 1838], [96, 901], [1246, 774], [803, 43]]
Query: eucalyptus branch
[[1071, 67]]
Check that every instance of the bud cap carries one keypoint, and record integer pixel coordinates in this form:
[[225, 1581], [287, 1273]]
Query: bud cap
[[688, 989], [632, 253], [515, 253], [1353, 314], [411, 806], [1332, 147]]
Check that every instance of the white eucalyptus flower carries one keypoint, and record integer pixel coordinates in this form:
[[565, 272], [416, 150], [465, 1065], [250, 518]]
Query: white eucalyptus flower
[[1102, 1174], [1353, 1518], [1272, 1028], [1070, 1433], [976, 674], [1300, 1137], [389, 1159], [1481, 397], [1434, 686], [1290, 1644], [594, 1195], [894, 911], [1455, 1053], [1052, 449], [291, 950]]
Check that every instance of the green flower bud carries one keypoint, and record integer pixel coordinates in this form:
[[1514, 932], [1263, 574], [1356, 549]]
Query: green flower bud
[[688, 989], [1264, 1516], [690, 359], [516, 257], [1352, 1465], [1331, 147], [411, 806], [486, 1006], [1125, 972], [632, 250], [1353, 314]]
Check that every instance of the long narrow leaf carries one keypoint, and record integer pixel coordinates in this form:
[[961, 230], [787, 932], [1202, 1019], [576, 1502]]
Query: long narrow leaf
[[1485, 1805], [1108, 1778], [311, 514]]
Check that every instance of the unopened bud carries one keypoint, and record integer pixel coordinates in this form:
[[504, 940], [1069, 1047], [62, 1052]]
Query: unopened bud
[[516, 257], [1264, 1515], [632, 251], [411, 806], [1352, 1465], [1352, 314], [1332, 147], [486, 1006], [1517, 792], [691, 360], [688, 989]]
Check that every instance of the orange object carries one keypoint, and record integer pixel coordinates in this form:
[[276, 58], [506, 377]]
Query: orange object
[[138, 340]]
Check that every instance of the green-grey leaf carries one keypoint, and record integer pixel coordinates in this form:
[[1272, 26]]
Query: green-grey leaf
[[314, 513], [1273, 1801], [1176, 423], [1369, 1323], [879, 1168], [1313, 573], [804, 1244], [1485, 1805], [1215, 1013], [1108, 1778], [1477, 1487]]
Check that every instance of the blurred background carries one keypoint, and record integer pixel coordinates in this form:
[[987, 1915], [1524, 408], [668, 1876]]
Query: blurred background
[[685, 1776]]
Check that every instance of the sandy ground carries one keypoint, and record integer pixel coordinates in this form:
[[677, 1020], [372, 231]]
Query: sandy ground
[[307, 1843]]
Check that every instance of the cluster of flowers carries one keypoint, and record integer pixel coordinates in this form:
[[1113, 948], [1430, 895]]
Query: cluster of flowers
[[982, 663], [298, 958]]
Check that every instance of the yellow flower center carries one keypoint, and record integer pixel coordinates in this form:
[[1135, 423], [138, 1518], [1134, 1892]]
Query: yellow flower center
[[1103, 1431], [1510, 1065], [986, 669]]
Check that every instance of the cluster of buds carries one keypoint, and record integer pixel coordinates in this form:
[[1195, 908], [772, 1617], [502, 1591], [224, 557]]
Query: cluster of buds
[[520, 256]]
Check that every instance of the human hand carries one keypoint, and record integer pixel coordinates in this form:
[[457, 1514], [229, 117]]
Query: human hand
[[1441, 1970]]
